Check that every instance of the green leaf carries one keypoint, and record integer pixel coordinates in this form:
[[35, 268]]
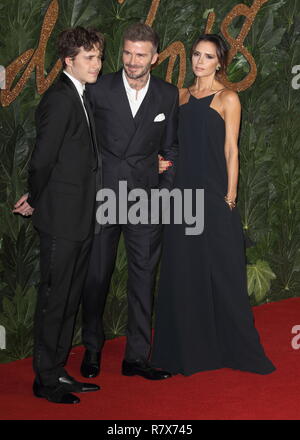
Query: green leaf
[[9, 310], [259, 279]]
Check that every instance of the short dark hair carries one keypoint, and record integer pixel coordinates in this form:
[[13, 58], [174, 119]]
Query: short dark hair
[[141, 32], [221, 49], [71, 40]]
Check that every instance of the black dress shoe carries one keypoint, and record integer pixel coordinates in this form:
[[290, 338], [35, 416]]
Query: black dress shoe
[[90, 366], [144, 369], [73, 386], [55, 394]]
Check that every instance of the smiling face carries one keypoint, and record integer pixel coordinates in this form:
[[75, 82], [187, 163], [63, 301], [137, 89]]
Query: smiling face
[[85, 66], [138, 57], [205, 59]]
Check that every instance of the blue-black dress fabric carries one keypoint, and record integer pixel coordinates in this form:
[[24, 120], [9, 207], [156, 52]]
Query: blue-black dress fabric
[[203, 316]]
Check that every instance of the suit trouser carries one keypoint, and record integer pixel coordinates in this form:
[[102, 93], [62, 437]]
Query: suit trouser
[[63, 267], [143, 246]]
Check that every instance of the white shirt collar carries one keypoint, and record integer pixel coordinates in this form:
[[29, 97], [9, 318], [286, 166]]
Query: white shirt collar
[[79, 86], [130, 89]]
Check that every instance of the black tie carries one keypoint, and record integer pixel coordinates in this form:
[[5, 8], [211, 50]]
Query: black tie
[[91, 125], [87, 107]]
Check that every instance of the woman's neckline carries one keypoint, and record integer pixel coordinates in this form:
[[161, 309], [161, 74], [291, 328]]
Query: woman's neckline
[[207, 96]]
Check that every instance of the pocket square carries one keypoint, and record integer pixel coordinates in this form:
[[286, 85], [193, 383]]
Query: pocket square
[[160, 117]]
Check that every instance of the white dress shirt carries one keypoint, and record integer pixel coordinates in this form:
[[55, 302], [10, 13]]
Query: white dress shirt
[[135, 97], [80, 89]]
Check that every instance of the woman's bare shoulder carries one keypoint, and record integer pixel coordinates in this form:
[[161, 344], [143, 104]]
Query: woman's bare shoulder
[[229, 100], [228, 95]]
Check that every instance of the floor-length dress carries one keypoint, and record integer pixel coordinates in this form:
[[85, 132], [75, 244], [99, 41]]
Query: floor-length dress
[[203, 316]]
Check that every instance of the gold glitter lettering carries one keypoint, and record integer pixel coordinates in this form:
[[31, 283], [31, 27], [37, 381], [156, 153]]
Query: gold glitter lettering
[[36, 59], [152, 13], [237, 43], [174, 50]]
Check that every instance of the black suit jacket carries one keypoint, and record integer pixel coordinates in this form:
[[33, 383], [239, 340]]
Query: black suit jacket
[[64, 165], [130, 146]]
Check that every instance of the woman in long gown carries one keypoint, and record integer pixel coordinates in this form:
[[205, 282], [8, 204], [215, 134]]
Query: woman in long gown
[[203, 315]]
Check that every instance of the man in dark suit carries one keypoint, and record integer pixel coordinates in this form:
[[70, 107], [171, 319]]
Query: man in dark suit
[[136, 119], [64, 175]]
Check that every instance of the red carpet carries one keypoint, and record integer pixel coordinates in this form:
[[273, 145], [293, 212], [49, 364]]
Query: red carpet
[[218, 395]]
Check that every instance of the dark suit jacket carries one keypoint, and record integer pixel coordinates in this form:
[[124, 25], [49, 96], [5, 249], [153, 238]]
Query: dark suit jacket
[[130, 146], [64, 165]]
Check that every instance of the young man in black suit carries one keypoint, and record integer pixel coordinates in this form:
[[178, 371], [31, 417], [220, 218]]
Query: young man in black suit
[[64, 175], [136, 119]]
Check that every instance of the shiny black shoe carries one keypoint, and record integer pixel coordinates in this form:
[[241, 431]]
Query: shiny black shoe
[[144, 369], [73, 386], [90, 366], [55, 394]]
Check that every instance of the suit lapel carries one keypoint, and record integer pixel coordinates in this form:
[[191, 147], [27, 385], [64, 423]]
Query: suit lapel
[[92, 130], [75, 96], [147, 112], [141, 111], [121, 105]]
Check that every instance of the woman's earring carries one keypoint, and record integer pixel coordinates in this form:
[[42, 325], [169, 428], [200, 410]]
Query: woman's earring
[[218, 68]]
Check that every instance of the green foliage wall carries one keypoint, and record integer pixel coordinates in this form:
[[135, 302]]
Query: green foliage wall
[[269, 144]]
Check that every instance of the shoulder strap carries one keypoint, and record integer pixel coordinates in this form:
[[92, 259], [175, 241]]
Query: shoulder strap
[[221, 90]]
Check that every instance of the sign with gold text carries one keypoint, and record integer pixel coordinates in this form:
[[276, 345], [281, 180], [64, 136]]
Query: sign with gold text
[[34, 59]]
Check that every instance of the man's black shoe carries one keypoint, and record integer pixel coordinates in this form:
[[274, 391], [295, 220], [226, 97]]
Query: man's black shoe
[[90, 366], [55, 394], [144, 369], [73, 386]]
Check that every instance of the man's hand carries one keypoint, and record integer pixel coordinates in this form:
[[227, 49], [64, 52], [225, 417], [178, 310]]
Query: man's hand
[[22, 207], [163, 165]]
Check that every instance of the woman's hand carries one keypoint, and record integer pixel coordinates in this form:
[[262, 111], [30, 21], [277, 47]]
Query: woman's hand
[[163, 165], [230, 202]]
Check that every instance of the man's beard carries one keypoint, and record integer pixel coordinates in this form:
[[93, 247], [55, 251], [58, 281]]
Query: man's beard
[[143, 73]]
